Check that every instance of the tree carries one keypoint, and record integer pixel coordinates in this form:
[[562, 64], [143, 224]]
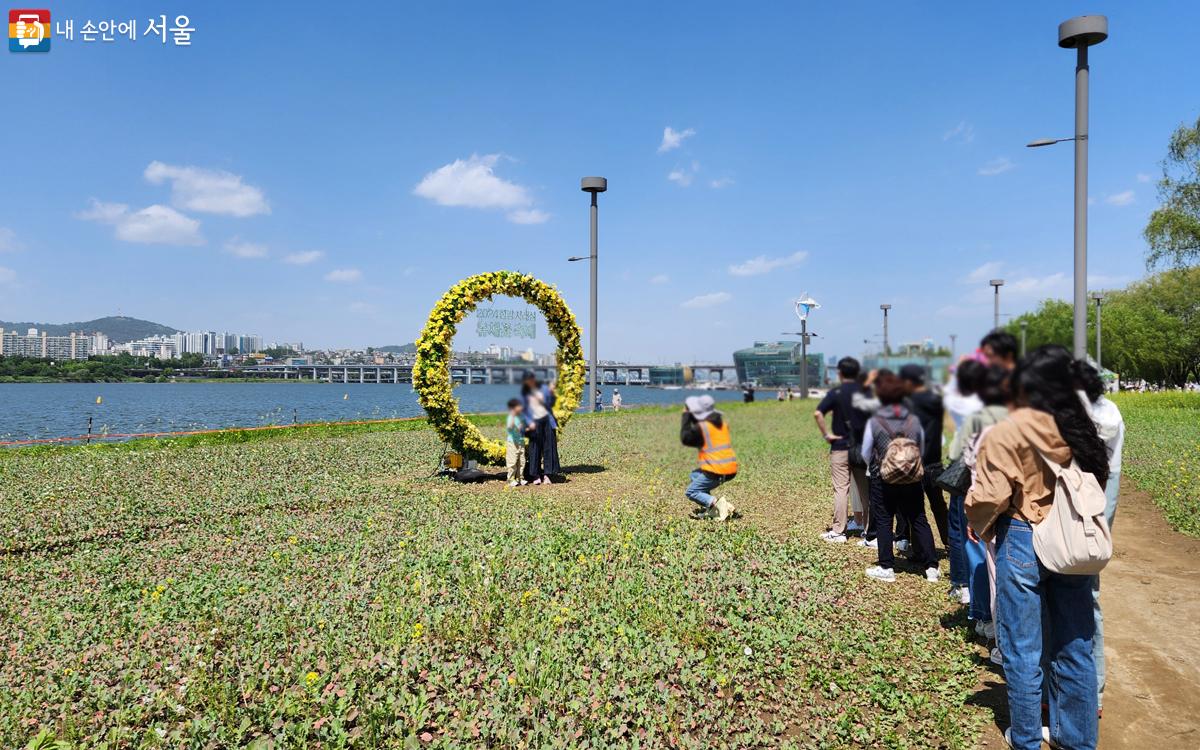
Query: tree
[[1173, 231]]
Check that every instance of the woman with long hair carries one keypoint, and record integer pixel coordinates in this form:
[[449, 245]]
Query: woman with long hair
[[538, 399], [1013, 491]]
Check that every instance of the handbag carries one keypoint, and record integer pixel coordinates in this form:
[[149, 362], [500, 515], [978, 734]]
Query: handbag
[[956, 478], [1073, 538], [855, 458]]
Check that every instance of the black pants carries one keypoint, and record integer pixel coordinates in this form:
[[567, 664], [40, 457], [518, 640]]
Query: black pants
[[905, 501], [542, 458], [937, 502]]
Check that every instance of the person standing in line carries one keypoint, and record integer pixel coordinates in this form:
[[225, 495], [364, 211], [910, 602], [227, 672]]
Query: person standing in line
[[599, 400], [966, 383], [1111, 426], [999, 348], [927, 406], [515, 428], [1041, 616], [705, 428], [616, 400], [845, 435], [892, 422], [541, 461]]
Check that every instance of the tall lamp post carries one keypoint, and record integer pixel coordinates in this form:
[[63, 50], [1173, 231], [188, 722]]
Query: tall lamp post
[[1099, 297], [1024, 327], [804, 306], [886, 353], [953, 346], [1079, 33], [996, 284], [593, 185]]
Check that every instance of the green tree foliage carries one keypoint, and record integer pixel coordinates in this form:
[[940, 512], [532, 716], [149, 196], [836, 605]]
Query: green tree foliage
[[1173, 231], [1150, 330], [96, 369]]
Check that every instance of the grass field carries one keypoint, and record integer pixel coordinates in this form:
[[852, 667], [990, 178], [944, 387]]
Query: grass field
[[1162, 452], [321, 591]]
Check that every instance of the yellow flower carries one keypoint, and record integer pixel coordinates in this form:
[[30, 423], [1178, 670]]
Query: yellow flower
[[311, 678]]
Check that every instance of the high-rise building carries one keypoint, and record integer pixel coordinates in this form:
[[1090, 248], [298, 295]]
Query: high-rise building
[[100, 343], [44, 346], [771, 364]]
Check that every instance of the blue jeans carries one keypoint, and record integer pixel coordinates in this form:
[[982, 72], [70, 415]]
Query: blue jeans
[[1039, 610], [957, 522], [977, 580], [1111, 490], [702, 485]]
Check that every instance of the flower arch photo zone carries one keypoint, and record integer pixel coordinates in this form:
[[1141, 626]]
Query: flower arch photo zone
[[431, 373]]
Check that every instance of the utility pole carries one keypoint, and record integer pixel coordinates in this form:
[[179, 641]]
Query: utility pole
[[593, 185], [886, 352]]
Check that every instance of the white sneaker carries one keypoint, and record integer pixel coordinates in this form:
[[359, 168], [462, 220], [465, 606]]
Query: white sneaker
[[902, 547], [887, 575], [996, 658], [964, 596], [933, 575], [513, 484], [833, 538], [871, 544], [725, 508], [952, 594]]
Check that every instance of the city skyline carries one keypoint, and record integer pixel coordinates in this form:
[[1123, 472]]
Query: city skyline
[[751, 156]]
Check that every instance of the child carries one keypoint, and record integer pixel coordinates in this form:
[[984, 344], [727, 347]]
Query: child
[[705, 428], [515, 428]]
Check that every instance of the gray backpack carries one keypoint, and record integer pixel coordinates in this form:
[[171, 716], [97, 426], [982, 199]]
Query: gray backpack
[[901, 462]]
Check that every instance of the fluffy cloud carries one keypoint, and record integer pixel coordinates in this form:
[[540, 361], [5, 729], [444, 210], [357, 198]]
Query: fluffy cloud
[[673, 139], [660, 279], [720, 182], [7, 275], [241, 249], [303, 258], [983, 273], [963, 132], [473, 183], [1120, 199], [153, 225], [707, 300], [344, 275], [683, 176], [999, 165], [208, 190], [8, 241], [762, 264]]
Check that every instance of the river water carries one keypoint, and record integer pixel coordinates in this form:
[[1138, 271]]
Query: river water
[[48, 410]]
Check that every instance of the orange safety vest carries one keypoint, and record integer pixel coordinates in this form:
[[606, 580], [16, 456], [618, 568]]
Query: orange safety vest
[[716, 456]]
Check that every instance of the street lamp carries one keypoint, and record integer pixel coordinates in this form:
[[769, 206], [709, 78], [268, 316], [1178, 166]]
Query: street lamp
[[996, 283], [1079, 33], [885, 309], [1099, 297], [804, 306], [593, 185]]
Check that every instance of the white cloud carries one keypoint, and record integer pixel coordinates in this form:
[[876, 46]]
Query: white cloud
[[762, 264], [964, 132], [242, 249], [1036, 286], [153, 225], [344, 275], [7, 275], [528, 216], [683, 176], [673, 139], [984, 273], [210, 191], [720, 182], [8, 241], [660, 279], [999, 165], [1120, 199], [707, 300], [1143, 177], [303, 258], [473, 183]]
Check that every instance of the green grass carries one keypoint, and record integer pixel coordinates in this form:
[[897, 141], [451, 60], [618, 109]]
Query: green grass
[[316, 589], [1162, 452]]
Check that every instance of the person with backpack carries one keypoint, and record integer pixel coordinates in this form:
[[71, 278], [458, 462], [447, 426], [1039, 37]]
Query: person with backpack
[[845, 462], [926, 405], [891, 446], [705, 428], [1019, 500]]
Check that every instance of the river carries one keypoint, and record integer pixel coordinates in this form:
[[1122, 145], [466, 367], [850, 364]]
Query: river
[[49, 410]]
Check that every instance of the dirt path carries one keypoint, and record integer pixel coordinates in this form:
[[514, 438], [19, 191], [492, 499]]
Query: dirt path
[[1151, 598]]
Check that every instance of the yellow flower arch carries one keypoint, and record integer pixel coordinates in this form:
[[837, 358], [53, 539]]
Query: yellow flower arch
[[431, 373]]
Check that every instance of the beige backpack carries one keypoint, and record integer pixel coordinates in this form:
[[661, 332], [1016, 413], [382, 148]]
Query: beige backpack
[[901, 462], [1074, 538]]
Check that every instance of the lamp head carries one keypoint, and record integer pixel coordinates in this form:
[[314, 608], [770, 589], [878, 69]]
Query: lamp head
[[1097, 296], [1082, 31], [997, 283], [593, 184], [885, 308]]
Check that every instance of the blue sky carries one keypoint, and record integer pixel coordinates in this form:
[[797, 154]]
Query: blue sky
[[324, 172]]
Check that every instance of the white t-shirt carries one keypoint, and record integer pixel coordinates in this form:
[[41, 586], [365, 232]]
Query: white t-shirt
[[1111, 426], [537, 404]]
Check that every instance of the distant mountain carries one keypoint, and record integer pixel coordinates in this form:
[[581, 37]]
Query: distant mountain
[[398, 348], [118, 328]]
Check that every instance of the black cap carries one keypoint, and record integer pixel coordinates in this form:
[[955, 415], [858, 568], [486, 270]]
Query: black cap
[[913, 374]]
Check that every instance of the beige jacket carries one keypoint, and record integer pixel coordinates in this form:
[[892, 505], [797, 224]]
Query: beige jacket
[[1011, 479]]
